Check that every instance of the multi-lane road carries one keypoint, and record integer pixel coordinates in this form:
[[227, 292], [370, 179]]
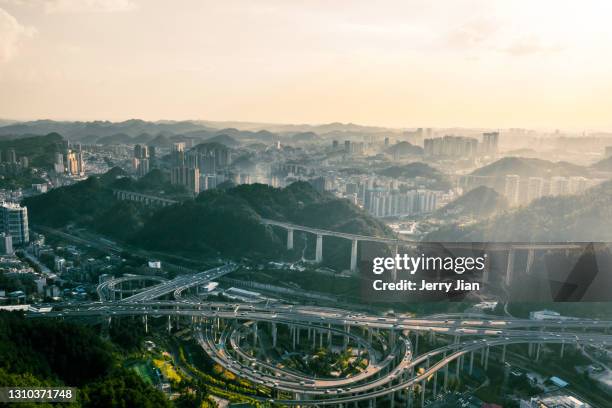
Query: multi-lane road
[[223, 329]]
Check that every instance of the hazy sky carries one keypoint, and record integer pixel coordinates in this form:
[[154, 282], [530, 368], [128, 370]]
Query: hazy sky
[[532, 63]]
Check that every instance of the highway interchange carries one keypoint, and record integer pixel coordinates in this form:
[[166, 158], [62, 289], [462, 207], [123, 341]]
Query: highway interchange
[[395, 368]]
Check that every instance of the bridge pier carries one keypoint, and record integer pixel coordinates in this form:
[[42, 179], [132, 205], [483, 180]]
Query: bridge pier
[[530, 258], [274, 334], [319, 249], [314, 338], [409, 396], [345, 340], [394, 271], [471, 362], [354, 255], [562, 347], [486, 271], [289, 239], [392, 338], [445, 373], [457, 367], [503, 355], [423, 385], [510, 266], [435, 383]]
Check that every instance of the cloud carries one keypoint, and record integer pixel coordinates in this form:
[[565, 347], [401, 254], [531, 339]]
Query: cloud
[[531, 45], [88, 6], [471, 34], [11, 33]]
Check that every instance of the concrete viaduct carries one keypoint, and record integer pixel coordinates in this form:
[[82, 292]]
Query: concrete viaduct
[[395, 243], [146, 199]]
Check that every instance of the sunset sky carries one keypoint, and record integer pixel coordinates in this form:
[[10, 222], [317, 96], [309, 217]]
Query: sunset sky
[[405, 63]]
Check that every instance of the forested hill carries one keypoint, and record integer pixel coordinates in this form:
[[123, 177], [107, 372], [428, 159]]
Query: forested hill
[[51, 353], [229, 220], [226, 222], [585, 217], [40, 150], [480, 202], [528, 167], [418, 170]]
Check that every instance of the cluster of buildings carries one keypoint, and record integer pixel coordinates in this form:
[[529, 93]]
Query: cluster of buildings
[[10, 165], [522, 190], [417, 137], [460, 146], [397, 204], [143, 160], [200, 168], [349, 147], [384, 198], [70, 162]]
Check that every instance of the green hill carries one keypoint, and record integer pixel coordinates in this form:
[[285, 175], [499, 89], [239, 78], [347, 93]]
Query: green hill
[[220, 221], [527, 167], [418, 169], [586, 217], [405, 149], [603, 165], [40, 150], [228, 222], [48, 353], [480, 202]]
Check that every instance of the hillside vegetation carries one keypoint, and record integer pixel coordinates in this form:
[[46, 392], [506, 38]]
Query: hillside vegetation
[[480, 202], [40, 150], [585, 217], [528, 167], [220, 221], [418, 170], [54, 353]]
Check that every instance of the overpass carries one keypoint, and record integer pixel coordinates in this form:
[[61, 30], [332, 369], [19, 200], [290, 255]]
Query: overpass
[[226, 331], [146, 199], [511, 248], [399, 374], [394, 242]]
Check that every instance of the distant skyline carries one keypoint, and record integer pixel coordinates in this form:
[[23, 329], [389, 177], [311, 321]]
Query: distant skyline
[[406, 63]]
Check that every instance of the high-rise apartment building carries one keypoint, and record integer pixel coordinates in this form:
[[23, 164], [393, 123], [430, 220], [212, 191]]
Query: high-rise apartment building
[[512, 188], [187, 177], [14, 222], [140, 162], [490, 142], [11, 156], [535, 188], [74, 162], [451, 146]]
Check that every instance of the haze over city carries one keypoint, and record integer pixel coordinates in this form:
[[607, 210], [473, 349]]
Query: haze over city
[[471, 63], [279, 203]]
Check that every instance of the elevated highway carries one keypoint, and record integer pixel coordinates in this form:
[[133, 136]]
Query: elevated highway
[[222, 328]]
